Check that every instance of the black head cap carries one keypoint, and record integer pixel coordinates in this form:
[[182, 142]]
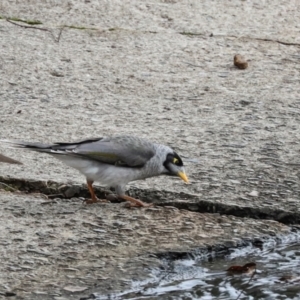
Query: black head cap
[[173, 158]]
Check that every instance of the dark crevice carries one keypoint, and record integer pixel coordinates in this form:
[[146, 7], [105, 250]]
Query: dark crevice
[[185, 201]]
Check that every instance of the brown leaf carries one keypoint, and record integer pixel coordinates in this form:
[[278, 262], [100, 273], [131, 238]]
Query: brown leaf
[[247, 268], [240, 62], [235, 269]]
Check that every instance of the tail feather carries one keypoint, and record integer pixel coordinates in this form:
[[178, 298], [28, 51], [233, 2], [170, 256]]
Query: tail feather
[[39, 147]]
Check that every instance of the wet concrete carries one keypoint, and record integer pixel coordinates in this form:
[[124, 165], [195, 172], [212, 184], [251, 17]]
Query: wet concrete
[[48, 246]]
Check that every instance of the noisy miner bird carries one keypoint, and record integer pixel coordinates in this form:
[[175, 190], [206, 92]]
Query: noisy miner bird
[[114, 161], [9, 160]]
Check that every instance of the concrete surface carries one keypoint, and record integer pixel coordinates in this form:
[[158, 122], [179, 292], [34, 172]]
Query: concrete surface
[[162, 70], [50, 246]]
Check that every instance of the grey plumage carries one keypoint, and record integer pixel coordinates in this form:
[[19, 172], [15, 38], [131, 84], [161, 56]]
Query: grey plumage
[[114, 161]]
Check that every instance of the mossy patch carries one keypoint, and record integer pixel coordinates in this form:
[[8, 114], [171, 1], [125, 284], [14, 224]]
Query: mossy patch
[[79, 27], [190, 33], [29, 22]]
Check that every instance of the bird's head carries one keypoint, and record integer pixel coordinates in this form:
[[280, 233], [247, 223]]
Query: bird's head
[[174, 166]]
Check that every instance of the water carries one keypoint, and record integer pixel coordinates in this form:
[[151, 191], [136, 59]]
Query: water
[[204, 277]]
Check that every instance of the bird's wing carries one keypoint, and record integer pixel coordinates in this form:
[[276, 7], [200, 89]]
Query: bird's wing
[[125, 151]]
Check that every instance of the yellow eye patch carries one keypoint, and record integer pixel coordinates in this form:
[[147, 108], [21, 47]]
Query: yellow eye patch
[[175, 161]]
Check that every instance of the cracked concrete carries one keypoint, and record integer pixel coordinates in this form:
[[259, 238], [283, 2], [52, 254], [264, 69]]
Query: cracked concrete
[[162, 70]]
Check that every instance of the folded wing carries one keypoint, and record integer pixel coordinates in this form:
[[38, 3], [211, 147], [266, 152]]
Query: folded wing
[[126, 151]]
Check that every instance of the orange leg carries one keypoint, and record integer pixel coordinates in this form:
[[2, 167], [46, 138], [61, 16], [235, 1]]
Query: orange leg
[[135, 202], [93, 196]]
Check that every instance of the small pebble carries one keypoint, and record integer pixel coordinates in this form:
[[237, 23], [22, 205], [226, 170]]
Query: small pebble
[[240, 62]]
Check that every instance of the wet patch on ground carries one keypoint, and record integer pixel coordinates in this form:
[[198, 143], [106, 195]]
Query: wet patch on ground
[[201, 275], [57, 247]]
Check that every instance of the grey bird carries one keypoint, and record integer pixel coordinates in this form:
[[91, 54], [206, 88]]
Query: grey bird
[[114, 161], [9, 160]]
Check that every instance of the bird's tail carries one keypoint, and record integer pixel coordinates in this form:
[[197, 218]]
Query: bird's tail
[[39, 147]]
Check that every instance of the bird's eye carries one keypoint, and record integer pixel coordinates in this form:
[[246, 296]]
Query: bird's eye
[[175, 161]]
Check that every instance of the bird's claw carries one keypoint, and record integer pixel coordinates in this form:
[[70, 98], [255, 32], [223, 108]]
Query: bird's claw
[[96, 200], [130, 204]]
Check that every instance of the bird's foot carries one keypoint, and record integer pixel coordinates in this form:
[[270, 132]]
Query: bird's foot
[[132, 202], [95, 200], [139, 205], [93, 195]]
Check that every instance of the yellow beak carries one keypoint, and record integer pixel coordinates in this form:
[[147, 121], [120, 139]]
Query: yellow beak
[[183, 176]]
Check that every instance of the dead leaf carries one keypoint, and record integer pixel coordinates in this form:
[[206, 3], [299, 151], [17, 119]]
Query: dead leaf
[[247, 268], [240, 62]]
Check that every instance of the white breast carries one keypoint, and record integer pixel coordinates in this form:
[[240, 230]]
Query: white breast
[[106, 174]]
